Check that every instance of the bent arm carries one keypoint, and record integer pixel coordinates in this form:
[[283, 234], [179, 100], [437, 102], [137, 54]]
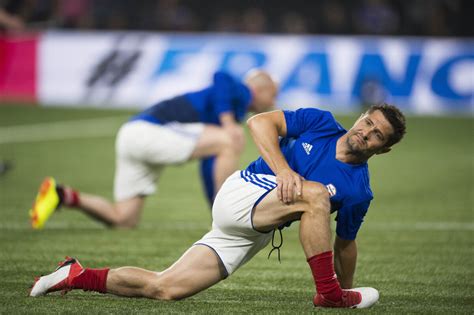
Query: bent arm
[[227, 118], [265, 129], [345, 258]]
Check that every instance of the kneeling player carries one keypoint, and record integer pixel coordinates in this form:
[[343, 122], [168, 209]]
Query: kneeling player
[[316, 168], [200, 125]]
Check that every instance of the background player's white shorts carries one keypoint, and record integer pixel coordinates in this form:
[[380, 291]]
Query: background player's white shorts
[[143, 149], [233, 237]]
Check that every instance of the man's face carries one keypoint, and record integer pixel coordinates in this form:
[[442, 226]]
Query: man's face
[[369, 134]]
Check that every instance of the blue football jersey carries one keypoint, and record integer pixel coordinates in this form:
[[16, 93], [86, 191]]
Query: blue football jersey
[[225, 94], [310, 149]]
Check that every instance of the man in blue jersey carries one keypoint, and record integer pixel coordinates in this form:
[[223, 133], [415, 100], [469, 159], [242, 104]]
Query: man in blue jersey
[[198, 125], [310, 167]]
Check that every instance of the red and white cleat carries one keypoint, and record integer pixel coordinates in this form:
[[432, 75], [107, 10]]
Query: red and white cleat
[[59, 280], [352, 298]]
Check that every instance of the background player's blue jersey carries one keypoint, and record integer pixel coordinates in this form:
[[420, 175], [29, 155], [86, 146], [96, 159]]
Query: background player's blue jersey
[[310, 149], [225, 95]]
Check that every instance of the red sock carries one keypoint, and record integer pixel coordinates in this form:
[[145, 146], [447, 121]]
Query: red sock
[[322, 267], [91, 280], [70, 197]]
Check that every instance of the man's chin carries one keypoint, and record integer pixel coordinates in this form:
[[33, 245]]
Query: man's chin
[[354, 146]]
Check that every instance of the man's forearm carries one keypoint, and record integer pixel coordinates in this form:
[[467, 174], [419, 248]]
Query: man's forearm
[[345, 259], [227, 118], [265, 133]]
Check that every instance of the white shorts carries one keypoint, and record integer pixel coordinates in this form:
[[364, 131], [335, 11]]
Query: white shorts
[[233, 236], [143, 149]]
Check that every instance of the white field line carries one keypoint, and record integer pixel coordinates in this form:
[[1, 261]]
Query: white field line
[[59, 130], [195, 226]]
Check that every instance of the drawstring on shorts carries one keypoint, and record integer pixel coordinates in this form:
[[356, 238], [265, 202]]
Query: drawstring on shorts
[[276, 247]]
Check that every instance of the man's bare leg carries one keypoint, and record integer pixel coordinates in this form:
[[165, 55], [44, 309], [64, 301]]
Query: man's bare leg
[[125, 214], [313, 210], [198, 269]]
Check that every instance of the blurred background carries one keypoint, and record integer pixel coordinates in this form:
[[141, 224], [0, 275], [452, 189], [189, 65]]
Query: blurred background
[[386, 17], [338, 55], [73, 71]]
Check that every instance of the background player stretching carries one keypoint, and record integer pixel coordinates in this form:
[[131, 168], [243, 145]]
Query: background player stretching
[[198, 125]]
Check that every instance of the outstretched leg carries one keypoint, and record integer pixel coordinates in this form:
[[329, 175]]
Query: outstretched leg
[[51, 196], [198, 269], [123, 214]]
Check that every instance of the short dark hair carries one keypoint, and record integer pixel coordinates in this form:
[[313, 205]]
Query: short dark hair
[[395, 117]]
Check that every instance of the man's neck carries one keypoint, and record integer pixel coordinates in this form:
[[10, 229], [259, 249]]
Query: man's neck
[[343, 153]]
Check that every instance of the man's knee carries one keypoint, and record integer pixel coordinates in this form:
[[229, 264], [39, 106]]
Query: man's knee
[[315, 194], [127, 213], [125, 220], [227, 145], [163, 289], [225, 140]]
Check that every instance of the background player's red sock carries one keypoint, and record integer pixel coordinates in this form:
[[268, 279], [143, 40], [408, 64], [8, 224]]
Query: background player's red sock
[[91, 280], [322, 267], [69, 196]]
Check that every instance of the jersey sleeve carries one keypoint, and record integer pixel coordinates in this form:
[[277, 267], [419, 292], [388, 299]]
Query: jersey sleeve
[[223, 85], [349, 219], [304, 119]]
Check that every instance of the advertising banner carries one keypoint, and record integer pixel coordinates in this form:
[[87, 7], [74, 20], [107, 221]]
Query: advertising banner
[[132, 69], [18, 67]]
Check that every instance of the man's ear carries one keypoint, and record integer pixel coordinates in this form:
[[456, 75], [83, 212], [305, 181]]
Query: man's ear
[[384, 150]]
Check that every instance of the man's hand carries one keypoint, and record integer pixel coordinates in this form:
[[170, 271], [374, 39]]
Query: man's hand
[[290, 184], [237, 134]]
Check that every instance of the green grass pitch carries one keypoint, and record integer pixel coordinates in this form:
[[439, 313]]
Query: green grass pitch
[[415, 246]]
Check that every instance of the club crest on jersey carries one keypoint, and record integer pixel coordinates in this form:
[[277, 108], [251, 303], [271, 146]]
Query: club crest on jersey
[[331, 189], [307, 147]]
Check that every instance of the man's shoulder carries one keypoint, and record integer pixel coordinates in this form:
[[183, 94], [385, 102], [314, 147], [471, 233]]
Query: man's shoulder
[[325, 118], [222, 76], [312, 111]]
